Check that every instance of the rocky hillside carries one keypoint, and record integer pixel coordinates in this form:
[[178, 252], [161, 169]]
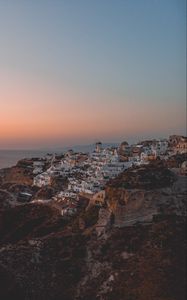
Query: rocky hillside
[[42, 257], [132, 248], [138, 262]]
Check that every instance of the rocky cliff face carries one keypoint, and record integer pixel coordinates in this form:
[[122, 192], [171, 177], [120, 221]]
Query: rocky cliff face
[[6, 199], [136, 262], [17, 175], [140, 193], [43, 256], [151, 176]]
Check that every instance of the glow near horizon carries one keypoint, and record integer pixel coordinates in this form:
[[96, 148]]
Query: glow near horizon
[[76, 71]]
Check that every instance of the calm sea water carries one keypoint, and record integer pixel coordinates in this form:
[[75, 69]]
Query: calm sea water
[[9, 158]]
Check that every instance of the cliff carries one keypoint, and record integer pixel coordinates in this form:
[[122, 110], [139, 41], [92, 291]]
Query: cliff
[[17, 174], [93, 255], [43, 257], [140, 193]]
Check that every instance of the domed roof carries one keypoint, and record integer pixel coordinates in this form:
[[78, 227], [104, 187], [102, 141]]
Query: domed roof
[[184, 164], [124, 143]]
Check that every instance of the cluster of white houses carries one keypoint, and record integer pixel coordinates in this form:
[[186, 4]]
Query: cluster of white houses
[[88, 173]]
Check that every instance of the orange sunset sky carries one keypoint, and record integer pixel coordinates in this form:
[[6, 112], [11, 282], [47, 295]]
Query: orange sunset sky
[[72, 72]]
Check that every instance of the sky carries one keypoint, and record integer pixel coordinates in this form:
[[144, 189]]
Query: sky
[[77, 71]]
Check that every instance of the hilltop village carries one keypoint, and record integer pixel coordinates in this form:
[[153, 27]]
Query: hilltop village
[[86, 174], [65, 179], [106, 225]]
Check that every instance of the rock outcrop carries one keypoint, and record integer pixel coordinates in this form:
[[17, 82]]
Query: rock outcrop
[[17, 175], [45, 193], [140, 193]]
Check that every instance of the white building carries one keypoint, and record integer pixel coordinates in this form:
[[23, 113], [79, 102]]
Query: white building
[[42, 179]]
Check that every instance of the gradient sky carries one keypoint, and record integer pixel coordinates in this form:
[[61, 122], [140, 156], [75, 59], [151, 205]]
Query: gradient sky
[[74, 71]]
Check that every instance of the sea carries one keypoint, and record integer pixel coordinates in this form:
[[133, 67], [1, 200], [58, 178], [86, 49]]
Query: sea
[[9, 158]]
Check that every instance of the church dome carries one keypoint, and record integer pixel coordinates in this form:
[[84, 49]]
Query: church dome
[[184, 164], [124, 143]]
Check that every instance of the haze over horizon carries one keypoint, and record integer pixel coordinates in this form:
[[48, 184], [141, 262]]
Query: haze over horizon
[[73, 72]]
